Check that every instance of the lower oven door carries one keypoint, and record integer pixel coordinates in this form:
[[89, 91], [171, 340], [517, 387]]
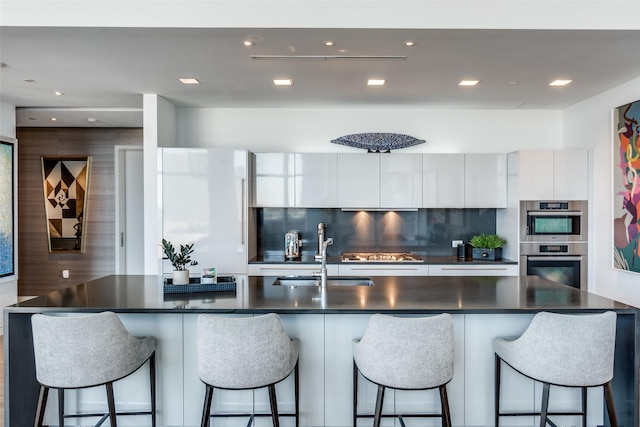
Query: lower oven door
[[568, 270]]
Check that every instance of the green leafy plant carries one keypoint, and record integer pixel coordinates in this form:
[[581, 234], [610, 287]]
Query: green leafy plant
[[487, 241], [180, 260]]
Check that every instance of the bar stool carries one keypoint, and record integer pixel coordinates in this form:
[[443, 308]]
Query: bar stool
[[563, 350], [245, 353], [405, 354], [87, 351]]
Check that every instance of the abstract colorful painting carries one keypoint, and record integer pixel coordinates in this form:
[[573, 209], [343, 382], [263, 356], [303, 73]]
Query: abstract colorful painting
[[7, 200], [66, 184], [626, 188]]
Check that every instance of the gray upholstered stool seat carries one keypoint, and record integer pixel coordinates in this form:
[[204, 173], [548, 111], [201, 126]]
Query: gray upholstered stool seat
[[406, 354], [563, 350], [245, 353], [87, 351]]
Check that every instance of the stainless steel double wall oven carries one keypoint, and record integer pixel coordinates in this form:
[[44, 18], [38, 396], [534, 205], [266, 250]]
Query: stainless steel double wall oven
[[553, 241]]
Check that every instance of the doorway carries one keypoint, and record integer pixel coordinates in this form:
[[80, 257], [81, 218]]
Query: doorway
[[129, 210]]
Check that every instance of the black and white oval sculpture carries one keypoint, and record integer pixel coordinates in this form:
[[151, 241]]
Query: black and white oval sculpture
[[378, 141]]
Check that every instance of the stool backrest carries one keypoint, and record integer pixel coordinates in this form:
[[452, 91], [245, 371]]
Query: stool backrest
[[567, 349], [407, 353], [244, 352], [83, 351]]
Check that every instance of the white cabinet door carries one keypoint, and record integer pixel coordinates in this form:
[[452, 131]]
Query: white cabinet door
[[443, 180], [535, 175], [485, 181], [204, 201], [571, 175], [474, 270], [275, 180], [359, 180], [316, 180], [383, 270], [400, 181]]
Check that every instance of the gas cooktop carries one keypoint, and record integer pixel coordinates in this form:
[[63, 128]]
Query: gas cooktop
[[380, 257]]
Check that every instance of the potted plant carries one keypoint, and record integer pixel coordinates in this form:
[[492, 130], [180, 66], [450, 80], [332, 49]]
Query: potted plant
[[487, 246], [180, 260]]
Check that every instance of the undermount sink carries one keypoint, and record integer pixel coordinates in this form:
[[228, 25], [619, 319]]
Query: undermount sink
[[295, 281]]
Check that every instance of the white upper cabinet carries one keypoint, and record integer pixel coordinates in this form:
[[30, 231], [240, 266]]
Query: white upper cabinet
[[400, 181], [205, 194], [275, 184], [316, 180], [571, 175], [553, 175], [535, 175], [485, 180], [358, 180], [443, 180]]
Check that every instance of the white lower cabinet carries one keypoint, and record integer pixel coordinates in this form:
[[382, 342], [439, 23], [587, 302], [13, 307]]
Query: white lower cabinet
[[474, 270], [290, 270], [384, 270]]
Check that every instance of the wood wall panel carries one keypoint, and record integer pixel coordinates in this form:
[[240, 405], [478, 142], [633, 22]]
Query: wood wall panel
[[40, 271]]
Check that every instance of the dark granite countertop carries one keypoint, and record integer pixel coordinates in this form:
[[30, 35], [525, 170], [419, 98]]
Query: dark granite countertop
[[429, 259], [140, 294]]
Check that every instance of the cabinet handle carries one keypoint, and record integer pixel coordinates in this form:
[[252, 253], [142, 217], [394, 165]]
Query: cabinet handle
[[383, 268], [554, 258], [474, 268], [242, 215]]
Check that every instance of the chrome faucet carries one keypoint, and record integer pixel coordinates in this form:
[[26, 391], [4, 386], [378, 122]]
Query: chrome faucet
[[323, 269], [321, 227]]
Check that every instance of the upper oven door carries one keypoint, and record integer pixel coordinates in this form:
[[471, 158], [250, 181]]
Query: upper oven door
[[554, 226]]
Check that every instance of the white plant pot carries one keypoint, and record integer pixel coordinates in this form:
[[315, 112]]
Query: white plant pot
[[180, 277]]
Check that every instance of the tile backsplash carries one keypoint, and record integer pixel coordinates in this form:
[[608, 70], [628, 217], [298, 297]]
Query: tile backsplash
[[424, 232]]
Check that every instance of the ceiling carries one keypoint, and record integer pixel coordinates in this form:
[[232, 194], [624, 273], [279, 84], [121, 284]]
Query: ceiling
[[103, 72]]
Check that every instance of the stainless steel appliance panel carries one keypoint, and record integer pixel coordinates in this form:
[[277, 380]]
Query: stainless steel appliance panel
[[565, 263], [553, 221]]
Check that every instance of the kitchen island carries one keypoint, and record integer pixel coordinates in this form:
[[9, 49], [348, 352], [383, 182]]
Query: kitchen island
[[326, 323]]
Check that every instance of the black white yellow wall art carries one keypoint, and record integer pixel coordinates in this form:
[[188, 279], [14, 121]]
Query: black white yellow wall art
[[626, 187], [7, 208], [66, 188]]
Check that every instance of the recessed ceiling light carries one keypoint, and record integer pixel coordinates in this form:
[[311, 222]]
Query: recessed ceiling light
[[189, 81], [560, 82], [248, 43], [468, 82], [58, 93], [409, 43], [376, 82], [329, 43], [92, 119], [53, 119], [283, 82]]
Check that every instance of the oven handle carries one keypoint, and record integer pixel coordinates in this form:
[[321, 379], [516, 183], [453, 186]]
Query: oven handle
[[556, 213], [554, 258]]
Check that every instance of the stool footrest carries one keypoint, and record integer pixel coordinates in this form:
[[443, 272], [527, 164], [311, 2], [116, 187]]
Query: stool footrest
[[102, 414], [429, 415], [549, 414], [266, 414]]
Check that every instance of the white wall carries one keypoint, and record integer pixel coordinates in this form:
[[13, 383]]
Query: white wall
[[9, 285], [311, 130], [589, 124], [7, 120]]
